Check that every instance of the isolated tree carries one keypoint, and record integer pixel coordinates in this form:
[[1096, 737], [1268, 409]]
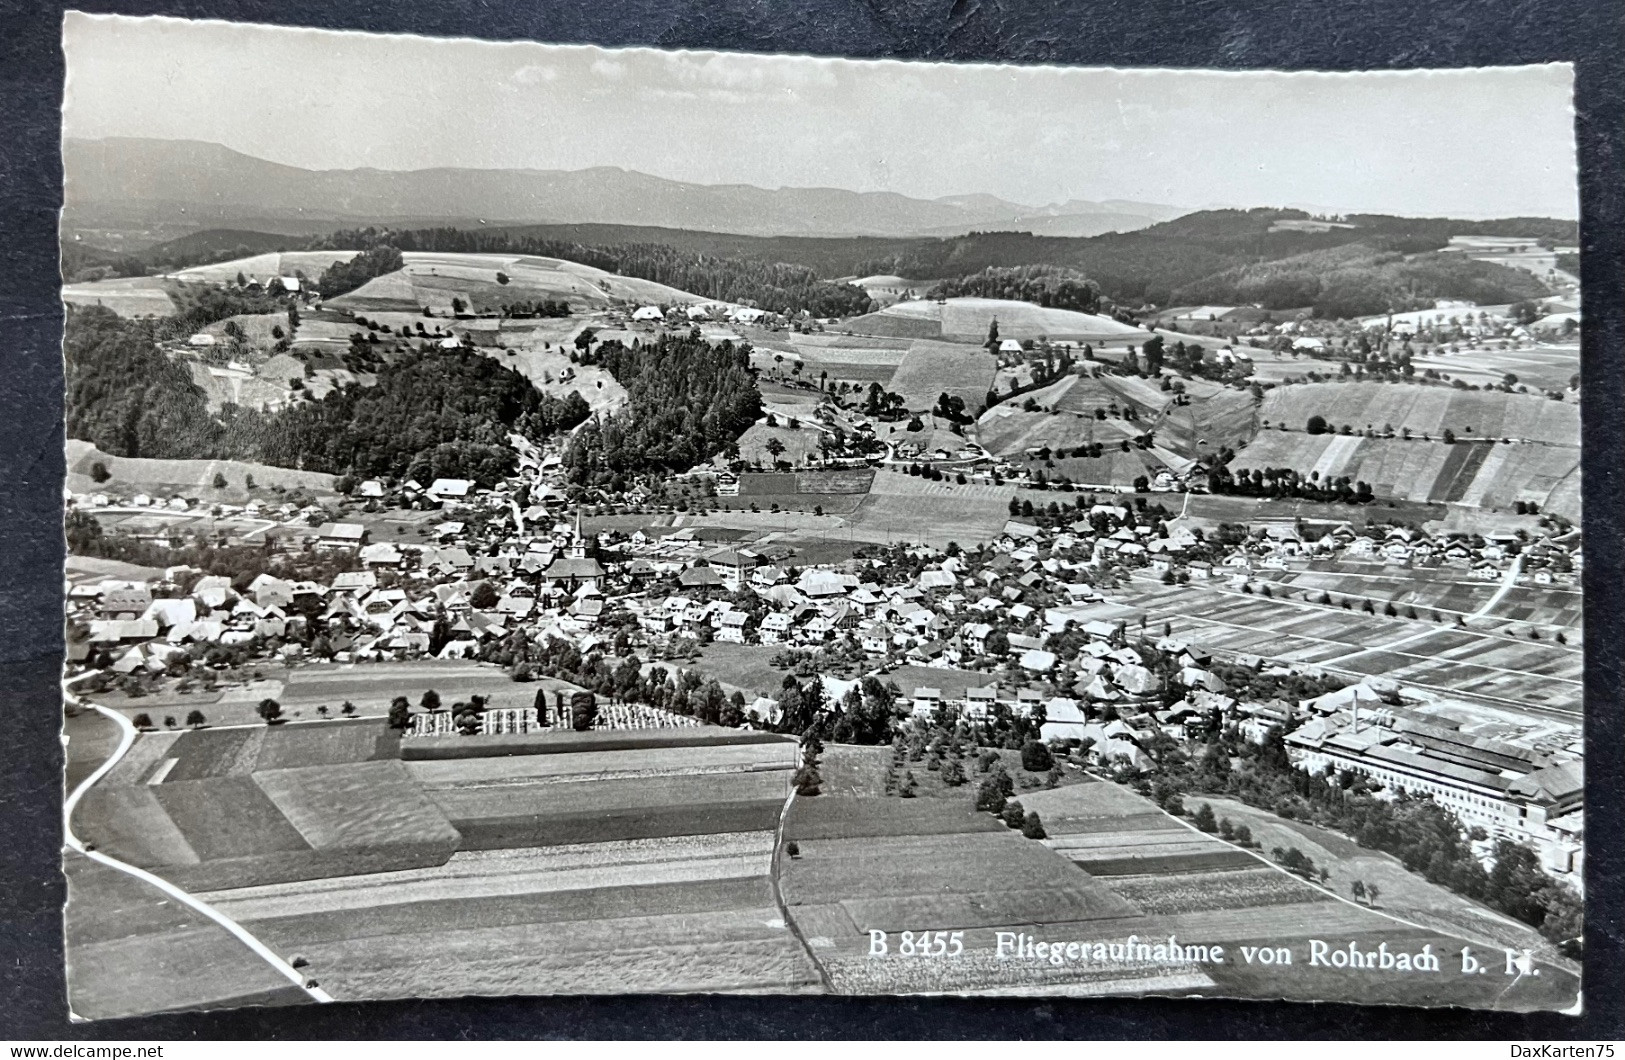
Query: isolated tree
[[953, 773], [910, 786], [583, 711], [322, 710], [1357, 888], [1036, 757], [430, 701], [484, 597], [502, 277], [1203, 818], [99, 472], [194, 719], [1033, 827], [1244, 835], [219, 481], [1372, 892], [169, 721], [270, 710], [775, 449], [142, 721], [1316, 425], [347, 709]]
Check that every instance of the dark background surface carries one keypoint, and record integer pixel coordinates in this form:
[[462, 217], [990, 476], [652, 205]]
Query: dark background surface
[[1283, 34]]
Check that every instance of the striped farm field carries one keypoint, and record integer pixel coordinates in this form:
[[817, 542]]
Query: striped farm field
[[670, 915], [1009, 430], [1475, 662], [132, 951], [362, 803], [597, 765], [1426, 410], [1484, 474]]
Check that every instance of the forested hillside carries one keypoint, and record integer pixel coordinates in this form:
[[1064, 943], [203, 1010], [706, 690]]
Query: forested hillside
[[430, 415], [1357, 280], [1152, 264], [688, 401], [342, 277], [774, 286], [126, 397], [1045, 285]]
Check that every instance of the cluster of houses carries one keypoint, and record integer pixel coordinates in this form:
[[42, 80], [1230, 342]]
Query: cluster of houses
[[700, 312]]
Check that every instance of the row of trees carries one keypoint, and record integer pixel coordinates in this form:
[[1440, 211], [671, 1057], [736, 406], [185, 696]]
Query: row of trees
[[1288, 482]]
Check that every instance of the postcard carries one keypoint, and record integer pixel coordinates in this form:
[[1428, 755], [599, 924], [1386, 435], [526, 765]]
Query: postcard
[[557, 520]]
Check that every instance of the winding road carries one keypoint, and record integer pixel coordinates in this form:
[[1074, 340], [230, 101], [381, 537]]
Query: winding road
[[126, 740]]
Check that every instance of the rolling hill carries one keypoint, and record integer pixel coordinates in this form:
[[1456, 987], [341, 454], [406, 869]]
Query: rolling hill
[[435, 279], [968, 320]]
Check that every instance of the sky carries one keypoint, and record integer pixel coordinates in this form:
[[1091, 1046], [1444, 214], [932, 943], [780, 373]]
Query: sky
[[1491, 142]]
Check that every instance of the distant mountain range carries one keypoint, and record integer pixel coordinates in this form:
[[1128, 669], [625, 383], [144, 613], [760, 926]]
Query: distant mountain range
[[167, 187]]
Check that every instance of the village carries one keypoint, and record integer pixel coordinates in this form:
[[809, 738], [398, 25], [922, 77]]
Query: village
[[1049, 621]]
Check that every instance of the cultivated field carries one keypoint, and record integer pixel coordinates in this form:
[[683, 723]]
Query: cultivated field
[[1546, 366], [1206, 890], [602, 866], [132, 950], [1471, 414], [905, 508], [269, 266], [218, 807], [1479, 474], [1499, 669]]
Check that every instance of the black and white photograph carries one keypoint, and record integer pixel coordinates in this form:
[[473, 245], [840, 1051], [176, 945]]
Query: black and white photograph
[[548, 519]]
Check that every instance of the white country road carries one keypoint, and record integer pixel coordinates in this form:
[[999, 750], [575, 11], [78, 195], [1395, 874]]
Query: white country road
[[126, 740]]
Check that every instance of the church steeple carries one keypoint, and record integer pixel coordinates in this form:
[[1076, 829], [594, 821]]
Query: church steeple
[[578, 543]]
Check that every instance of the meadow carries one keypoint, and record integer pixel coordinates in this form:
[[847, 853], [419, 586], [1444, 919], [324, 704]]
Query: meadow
[[135, 296], [969, 319], [192, 478], [931, 369], [1479, 474], [906, 508], [435, 279]]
